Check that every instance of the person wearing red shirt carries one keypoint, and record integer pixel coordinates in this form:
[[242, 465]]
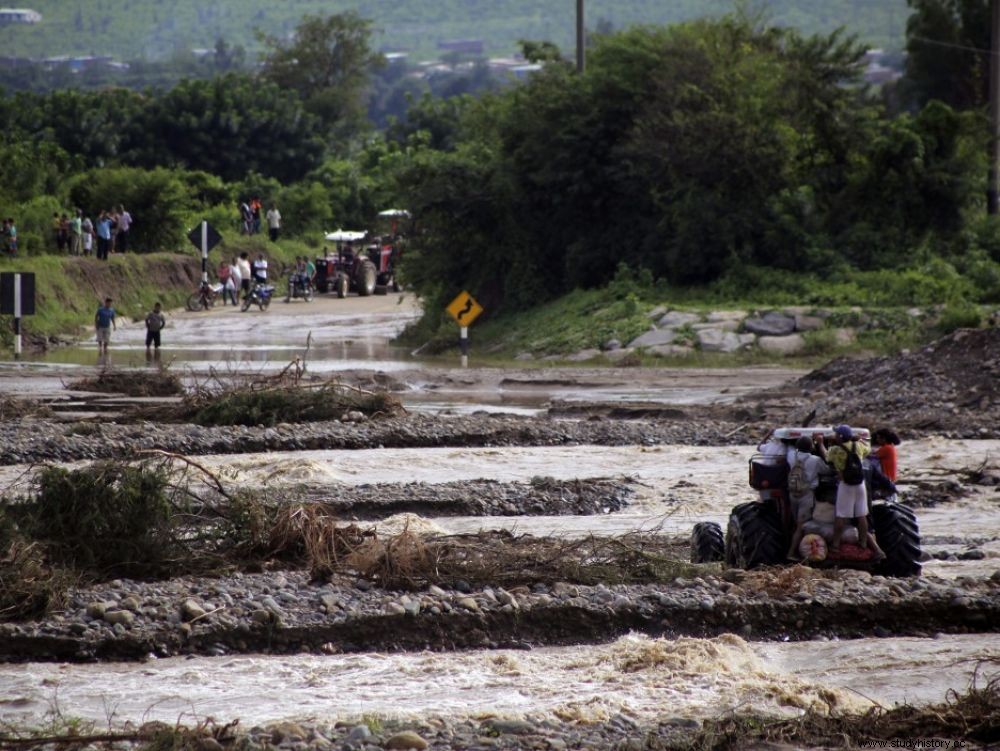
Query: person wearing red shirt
[[885, 442]]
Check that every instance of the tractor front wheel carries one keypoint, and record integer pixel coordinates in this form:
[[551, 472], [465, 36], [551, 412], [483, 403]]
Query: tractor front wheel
[[707, 543]]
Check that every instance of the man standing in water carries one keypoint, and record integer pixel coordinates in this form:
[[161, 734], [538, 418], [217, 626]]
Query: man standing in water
[[155, 322], [104, 322]]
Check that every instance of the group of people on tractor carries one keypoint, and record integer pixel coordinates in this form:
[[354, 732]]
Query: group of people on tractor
[[855, 465]]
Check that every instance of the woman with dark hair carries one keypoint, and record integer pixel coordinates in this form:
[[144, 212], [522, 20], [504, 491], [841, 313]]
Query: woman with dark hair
[[885, 442]]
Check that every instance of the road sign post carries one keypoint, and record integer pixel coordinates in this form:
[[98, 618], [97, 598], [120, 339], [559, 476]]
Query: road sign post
[[464, 309], [204, 237], [463, 343], [17, 298]]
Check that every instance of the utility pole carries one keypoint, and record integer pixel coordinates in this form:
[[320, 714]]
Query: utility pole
[[993, 191], [581, 36]]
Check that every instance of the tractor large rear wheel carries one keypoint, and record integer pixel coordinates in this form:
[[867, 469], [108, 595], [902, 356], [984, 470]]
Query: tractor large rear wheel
[[707, 543], [754, 537], [366, 278], [897, 533]]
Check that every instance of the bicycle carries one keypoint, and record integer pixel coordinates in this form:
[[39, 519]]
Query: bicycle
[[203, 298]]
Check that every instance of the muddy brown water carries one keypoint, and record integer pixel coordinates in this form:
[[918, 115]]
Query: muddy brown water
[[634, 675], [341, 337]]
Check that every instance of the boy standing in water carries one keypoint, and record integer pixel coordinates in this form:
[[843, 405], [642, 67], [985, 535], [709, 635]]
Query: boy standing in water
[[104, 321], [155, 321]]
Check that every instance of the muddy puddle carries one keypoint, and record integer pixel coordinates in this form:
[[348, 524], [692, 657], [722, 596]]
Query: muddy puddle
[[634, 675]]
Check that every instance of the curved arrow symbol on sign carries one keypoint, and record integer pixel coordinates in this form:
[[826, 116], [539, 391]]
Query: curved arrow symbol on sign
[[464, 311]]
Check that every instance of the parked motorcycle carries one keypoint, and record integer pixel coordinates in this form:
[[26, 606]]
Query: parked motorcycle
[[299, 286], [260, 295]]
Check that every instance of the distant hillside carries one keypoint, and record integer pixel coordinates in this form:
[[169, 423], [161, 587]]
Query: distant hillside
[[131, 29]]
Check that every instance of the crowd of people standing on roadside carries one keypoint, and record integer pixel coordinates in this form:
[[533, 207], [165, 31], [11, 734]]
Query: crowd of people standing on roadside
[[250, 216], [79, 235], [238, 273]]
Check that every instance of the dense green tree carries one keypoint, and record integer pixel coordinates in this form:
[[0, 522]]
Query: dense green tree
[[31, 169], [947, 45], [693, 151], [87, 125], [228, 126], [156, 199], [327, 62]]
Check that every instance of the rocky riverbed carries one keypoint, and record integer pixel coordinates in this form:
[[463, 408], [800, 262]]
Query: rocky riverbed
[[584, 471], [285, 612], [38, 440]]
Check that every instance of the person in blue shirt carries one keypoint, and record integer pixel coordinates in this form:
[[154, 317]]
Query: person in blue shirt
[[103, 236], [104, 321]]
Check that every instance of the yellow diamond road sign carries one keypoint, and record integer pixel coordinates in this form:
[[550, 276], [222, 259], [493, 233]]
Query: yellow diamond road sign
[[464, 309]]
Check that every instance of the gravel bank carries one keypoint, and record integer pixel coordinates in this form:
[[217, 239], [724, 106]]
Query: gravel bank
[[545, 496], [283, 612], [43, 440]]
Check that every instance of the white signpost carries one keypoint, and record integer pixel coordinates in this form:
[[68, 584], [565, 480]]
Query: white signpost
[[17, 298]]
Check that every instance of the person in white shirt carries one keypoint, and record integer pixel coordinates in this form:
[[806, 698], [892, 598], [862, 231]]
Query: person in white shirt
[[243, 263], [260, 269], [804, 469], [273, 223], [234, 282], [121, 234]]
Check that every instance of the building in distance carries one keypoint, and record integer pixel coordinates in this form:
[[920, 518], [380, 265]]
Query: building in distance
[[19, 15]]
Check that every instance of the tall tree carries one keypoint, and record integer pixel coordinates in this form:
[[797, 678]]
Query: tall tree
[[328, 62], [947, 45], [228, 126]]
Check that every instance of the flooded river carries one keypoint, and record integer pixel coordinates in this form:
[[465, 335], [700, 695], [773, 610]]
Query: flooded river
[[635, 675]]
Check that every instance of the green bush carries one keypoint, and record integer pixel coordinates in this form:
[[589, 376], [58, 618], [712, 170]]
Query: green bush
[[959, 316], [34, 225], [270, 406], [820, 342], [111, 518], [983, 272], [157, 200], [305, 210]]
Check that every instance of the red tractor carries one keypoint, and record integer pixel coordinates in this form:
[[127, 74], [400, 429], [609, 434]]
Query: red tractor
[[348, 270]]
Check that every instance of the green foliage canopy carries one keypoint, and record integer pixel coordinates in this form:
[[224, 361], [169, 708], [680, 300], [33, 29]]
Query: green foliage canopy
[[327, 63], [947, 46], [693, 151]]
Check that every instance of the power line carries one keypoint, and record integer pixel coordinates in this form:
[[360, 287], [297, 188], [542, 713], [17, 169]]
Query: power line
[[937, 43]]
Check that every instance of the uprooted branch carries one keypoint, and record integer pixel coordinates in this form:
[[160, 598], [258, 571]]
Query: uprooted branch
[[409, 561]]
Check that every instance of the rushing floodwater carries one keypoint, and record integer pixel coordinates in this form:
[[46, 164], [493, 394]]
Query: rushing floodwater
[[635, 675]]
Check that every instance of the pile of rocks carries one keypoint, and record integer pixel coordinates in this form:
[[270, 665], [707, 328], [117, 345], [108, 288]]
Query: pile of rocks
[[681, 333], [948, 386], [530, 733]]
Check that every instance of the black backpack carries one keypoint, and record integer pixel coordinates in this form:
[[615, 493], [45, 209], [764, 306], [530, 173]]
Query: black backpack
[[853, 473]]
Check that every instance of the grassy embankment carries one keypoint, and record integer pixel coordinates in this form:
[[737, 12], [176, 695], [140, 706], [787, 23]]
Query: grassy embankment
[[69, 289], [884, 316]]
